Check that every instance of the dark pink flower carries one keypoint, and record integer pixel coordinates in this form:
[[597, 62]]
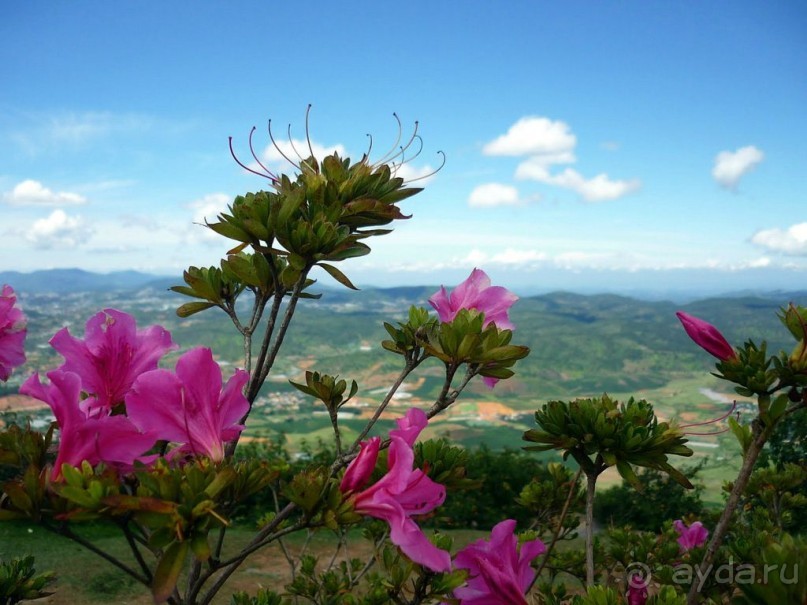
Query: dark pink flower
[[190, 406], [359, 471], [111, 356], [690, 536], [12, 333], [109, 439], [401, 493], [476, 293], [637, 590], [707, 336], [499, 571]]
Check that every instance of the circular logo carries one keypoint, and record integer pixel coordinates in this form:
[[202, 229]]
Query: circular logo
[[638, 575]]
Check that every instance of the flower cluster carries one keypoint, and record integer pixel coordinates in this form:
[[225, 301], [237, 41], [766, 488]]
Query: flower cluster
[[499, 570], [12, 333], [113, 404], [401, 493]]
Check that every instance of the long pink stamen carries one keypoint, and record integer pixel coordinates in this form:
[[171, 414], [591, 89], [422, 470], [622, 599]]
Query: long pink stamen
[[716, 420], [269, 173], [707, 434], [247, 168]]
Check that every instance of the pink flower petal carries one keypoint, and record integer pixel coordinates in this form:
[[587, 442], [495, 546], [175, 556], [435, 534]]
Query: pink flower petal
[[476, 293], [112, 355], [190, 406], [361, 468], [12, 333], [706, 336]]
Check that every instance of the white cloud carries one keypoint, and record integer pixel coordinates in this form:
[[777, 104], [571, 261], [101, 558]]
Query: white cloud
[[493, 194], [209, 206], [730, 166], [533, 135], [33, 193], [58, 230], [792, 240], [598, 189], [549, 143], [206, 209], [512, 256]]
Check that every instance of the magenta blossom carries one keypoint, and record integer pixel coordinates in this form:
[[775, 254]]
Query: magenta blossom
[[707, 336], [111, 356], [690, 536], [476, 293], [499, 571], [401, 493], [637, 590], [110, 439], [190, 406], [12, 333]]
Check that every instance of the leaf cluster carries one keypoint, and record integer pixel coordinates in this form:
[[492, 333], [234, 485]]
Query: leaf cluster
[[601, 432], [20, 582]]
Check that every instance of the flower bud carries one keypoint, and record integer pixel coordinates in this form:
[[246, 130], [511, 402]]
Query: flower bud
[[707, 336]]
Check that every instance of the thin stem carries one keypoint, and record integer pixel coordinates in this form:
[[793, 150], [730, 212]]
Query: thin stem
[[380, 410], [591, 486], [556, 535], [65, 531], [761, 435], [130, 538]]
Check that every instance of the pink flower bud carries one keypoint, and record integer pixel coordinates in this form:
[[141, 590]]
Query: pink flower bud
[[707, 336]]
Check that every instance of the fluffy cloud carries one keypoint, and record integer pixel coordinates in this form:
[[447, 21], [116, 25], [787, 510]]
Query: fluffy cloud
[[533, 135], [58, 230], [598, 189], [731, 166], [205, 210], [549, 143], [33, 193], [792, 240], [493, 194]]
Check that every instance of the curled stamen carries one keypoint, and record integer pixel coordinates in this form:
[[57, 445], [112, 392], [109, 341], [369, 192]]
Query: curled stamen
[[291, 142], [716, 420], [386, 159], [366, 155], [433, 172], [269, 176], [394, 145], [269, 173], [708, 434], [307, 136], [416, 154], [279, 150]]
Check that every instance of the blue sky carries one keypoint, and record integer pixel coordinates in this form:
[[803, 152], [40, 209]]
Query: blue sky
[[590, 145]]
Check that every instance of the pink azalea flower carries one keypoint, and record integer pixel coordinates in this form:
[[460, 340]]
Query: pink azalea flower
[[400, 494], [110, 439], [690, 536], [476, 293], [707, 336], [12, 333], [637, 590], [111, 356], [499, 572], [190, 406]]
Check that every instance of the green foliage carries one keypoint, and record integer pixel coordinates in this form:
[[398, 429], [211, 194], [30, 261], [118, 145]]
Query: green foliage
[[776, 574], [660, 500], [598, 595], [20, 582], [622, 435]]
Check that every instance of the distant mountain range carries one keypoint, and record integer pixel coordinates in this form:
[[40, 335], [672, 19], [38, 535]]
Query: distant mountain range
[[65, 281]]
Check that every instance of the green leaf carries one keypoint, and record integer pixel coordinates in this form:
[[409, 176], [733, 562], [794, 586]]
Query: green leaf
[[168, 570], [191, 308], [338, 275]]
